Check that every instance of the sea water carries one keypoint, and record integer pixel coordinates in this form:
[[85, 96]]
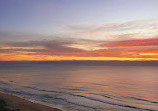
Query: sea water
[[84, 87]]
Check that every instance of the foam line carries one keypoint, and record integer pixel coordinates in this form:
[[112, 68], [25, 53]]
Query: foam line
[[109, 102], [136, 98], [5, 83]]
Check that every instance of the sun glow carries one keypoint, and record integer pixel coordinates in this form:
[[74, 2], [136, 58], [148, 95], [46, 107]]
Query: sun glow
[[7, 57]]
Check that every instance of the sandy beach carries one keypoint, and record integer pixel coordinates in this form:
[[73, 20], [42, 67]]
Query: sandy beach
[[9, 102]]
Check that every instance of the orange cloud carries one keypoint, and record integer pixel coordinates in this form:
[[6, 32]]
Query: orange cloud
[[138, 49], [137, 42]]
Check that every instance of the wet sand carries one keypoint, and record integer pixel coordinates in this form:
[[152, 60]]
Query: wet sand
[[10, 102]]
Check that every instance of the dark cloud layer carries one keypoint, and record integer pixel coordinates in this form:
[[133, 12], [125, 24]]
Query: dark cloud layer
[[125, 48], [40, 46]]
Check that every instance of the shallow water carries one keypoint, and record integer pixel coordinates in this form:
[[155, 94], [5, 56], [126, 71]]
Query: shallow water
[[83, 87]]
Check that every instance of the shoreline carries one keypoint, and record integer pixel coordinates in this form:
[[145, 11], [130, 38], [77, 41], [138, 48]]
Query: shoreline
[[11, 102]]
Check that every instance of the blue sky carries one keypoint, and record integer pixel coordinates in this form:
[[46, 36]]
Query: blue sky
[[48, 16]]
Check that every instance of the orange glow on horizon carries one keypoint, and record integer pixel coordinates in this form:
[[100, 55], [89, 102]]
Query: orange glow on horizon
[[62, 58]]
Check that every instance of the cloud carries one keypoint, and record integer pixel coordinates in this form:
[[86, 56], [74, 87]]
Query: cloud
[[68, 47], [111, 31], [83, 47], [46, 45], [134, 39], [137, 42], [131, 25], [16, 50]]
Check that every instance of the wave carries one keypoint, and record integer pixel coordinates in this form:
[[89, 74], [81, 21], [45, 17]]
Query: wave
[[94, 99], [74, 89], [91, 98], [141, 99], [55, 97], [5, 83], [16, 92], [109, 102], [38, 89]]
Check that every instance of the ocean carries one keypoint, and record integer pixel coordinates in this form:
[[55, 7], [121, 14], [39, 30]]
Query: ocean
[[83, 87]]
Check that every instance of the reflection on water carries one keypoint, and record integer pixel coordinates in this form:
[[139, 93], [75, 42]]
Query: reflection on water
[[84, 88]]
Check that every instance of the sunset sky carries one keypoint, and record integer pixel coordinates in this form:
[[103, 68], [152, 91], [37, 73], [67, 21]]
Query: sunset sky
[[41, 30]]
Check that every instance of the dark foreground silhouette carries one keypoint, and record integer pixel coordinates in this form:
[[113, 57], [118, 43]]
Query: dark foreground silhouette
[[5, 107], [10, 102]]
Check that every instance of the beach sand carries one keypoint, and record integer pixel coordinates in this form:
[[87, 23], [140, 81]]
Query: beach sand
[[10, 102]]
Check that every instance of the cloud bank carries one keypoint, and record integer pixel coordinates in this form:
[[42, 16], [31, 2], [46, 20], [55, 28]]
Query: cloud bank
[[135, 40]]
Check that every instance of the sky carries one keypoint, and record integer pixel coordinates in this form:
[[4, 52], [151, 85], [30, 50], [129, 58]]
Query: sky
[[47, 30]]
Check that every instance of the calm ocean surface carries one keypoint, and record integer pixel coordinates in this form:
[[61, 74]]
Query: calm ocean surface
[[84, 87]]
